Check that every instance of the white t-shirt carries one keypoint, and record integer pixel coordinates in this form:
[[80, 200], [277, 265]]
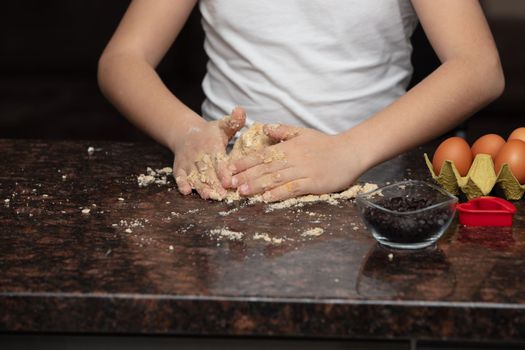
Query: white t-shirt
[[323, 64]]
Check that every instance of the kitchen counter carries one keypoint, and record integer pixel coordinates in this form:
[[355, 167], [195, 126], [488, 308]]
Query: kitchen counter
[[146, 260]]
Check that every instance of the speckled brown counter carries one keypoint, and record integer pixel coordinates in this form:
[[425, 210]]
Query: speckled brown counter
[[145, 260]]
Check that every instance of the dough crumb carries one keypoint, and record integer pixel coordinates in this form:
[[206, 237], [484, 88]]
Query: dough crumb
[[145, 180], [133, 223], [225, 233], [313, 232], [85, 211], [157, 176], [228, 212], [165, 171], [332, 198], [267, 238]]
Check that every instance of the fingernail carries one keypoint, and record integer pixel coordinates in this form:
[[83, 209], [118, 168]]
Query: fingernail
[[235, 182], [244, 189]]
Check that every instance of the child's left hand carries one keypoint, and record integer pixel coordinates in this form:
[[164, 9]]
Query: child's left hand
[[314, 163]]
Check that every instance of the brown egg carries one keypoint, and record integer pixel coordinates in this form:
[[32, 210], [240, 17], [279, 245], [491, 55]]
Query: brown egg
[[518, 134], [513, 154], [488, 144], [456, 150]]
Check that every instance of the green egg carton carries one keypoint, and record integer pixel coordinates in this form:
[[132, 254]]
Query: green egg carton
[[480, 179]]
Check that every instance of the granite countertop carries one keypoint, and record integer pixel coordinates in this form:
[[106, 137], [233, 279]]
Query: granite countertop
[[146, 260]]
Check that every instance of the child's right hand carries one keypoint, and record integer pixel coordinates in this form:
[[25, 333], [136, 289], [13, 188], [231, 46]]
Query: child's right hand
[[200, 157]]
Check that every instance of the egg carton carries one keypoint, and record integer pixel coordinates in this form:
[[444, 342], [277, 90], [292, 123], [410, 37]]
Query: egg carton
[[480, 179]]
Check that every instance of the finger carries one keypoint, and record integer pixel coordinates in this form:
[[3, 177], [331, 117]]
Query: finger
[[181, 179], [269, 155], [256, 172], [268, 182], [234, 122], [208, 176], [279, 132], [223, 170], [245, 163], [288, 190], [195, 180], [203, 190]]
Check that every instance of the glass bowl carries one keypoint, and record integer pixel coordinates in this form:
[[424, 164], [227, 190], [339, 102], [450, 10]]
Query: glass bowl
[[408, 214]]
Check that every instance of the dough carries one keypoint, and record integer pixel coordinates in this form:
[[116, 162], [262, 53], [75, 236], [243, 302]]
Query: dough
[[250, 142], [253, 140]]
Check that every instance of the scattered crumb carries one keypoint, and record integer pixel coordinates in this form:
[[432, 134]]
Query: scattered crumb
[[145, 180], [45, 195], [170, 247], [90, 150], [133, 223], [332, 198], [313, 232], [225, 233], [390, 256], [228, 212], [266, 237], [86, 211], [165, 171], [121, 199], [157, 176], [64, 177], [128, 230], [7, 200]]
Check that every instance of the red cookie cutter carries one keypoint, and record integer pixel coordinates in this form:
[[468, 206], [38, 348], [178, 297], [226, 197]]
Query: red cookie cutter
[[486, 211]]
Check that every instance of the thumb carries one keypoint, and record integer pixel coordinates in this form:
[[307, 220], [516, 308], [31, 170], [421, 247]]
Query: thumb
[[234, 122], [279, 132]]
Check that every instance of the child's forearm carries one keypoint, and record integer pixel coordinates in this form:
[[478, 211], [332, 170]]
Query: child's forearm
[[135, 89], [443, 100]]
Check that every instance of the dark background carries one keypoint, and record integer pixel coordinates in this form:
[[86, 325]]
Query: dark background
[[49, 52]]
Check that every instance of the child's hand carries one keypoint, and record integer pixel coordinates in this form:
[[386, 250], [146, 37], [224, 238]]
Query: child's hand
[[314, 163], [200, 157]]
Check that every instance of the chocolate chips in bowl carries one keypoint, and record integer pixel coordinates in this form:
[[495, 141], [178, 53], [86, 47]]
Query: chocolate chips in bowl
[[408, 214]]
